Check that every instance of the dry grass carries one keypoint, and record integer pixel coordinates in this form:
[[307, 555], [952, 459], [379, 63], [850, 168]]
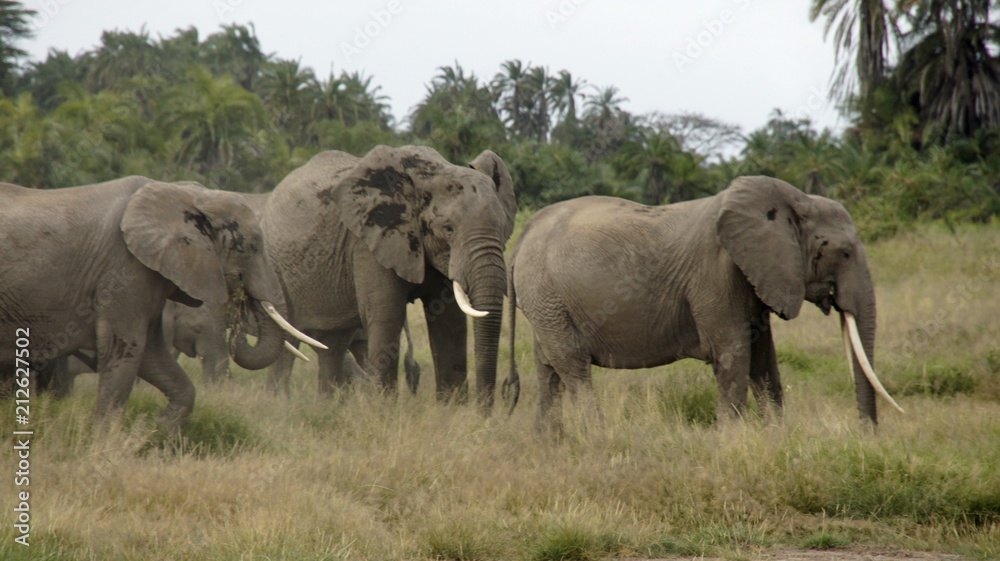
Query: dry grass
[[367, 477]]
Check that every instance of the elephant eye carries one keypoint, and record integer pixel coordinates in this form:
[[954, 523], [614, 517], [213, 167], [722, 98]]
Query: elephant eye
[[448, 229], [847, 255]]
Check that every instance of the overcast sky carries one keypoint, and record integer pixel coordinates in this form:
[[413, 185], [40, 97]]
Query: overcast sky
[[735, 60]]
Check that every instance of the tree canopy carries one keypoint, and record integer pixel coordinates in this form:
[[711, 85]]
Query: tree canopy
[[919, 82]]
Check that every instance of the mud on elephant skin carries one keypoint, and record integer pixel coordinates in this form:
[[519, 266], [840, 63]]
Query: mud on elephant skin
[[95, 265], [621, 285], [354, 239]]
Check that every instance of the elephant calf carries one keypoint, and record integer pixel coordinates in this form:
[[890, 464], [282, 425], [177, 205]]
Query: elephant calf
[[618, 284]]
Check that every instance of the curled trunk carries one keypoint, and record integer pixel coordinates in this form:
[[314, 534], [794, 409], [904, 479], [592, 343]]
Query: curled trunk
[[270, 337]]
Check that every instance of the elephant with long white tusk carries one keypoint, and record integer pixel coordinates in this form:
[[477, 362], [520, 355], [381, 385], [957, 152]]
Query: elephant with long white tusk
[[614, 283], [354, 239], [97, 263]]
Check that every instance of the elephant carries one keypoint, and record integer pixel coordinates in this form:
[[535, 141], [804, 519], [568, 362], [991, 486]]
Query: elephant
[[199, 333], [91, 267], [618, 284], [353, 239]]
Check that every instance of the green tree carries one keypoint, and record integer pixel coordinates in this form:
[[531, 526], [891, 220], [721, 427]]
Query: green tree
[[290, 92], [122, 55], [14, 26], [457, 115], [515, 98], [235, 51], [43, 79], [862, 34], [951, 68], [212, 124]]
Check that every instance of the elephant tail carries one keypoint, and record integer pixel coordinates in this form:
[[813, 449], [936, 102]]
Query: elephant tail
[[511, 389]]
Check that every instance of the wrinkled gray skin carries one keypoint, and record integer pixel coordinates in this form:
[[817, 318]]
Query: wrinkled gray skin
[[621, 285], [199, 333], [95, 265], [354, 239]]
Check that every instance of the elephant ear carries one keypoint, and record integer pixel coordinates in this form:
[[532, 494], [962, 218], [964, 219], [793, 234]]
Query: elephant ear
[[759, 225], [165, 229], [491, 164], [378, 203]]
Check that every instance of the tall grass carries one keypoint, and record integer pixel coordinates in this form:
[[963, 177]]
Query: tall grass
[[365, 476]]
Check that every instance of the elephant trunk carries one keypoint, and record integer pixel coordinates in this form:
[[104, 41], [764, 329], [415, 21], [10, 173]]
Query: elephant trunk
[[252, 318], [864, 390], [487, 282], [856, 303]]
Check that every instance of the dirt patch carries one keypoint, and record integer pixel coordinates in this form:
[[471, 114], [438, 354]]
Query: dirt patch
[[845, 554]]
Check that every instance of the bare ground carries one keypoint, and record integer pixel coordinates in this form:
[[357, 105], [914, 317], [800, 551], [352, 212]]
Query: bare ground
[[840, 554]]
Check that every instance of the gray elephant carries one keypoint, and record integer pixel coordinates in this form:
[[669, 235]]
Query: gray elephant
[[621, 285], [199, 333], [91, 267], [354, 239]]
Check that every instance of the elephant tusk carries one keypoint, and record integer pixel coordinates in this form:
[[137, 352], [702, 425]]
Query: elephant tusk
[[463, 302], [859, 351], [283, 323], [847, 347], [298, 354]]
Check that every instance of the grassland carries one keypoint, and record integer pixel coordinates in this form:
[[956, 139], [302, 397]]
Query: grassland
[[362, 476]]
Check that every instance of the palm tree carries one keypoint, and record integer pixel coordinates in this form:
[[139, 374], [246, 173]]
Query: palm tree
[[563, 91], [13, 26], [236, 51], [951, 65], [862, 32], [457, 115], [365, 101], [653, 154], [515, 98], [122, 55], [211, 119], [43, 78], [288, 89], [537, 83], [606, 126]]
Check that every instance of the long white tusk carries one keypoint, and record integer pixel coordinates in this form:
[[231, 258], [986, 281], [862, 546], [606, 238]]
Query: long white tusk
[[859, 351], [298, 354], [463, 302], [269, 308], [847, 347]]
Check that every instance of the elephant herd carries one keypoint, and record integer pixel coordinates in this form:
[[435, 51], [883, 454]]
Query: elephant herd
[[119, 273]]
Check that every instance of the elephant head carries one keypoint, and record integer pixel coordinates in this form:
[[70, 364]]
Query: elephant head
[[209, 244], [413, 209], [794, 247]]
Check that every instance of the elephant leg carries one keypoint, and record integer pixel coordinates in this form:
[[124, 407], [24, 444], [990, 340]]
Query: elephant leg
[[279, 374], [765, 381], [332, 374], [550, 389], [359, 350], [214, 361], [447, 330], [119, 351], [383, 351], [732, 369], [162, 372]]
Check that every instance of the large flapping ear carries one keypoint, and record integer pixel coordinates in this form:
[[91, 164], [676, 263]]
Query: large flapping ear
[[759, 225], [166, 230], [491, 164], [378, 203]]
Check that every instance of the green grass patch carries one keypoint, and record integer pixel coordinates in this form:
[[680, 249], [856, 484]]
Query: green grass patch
[[825, 540], [574, 543]]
